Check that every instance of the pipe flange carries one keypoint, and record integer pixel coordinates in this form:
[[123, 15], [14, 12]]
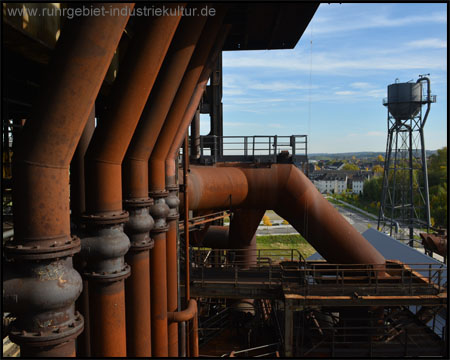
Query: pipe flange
[[173, 216], [142, 245], [47, 250], [172, 187], [137, 203], [105, 219], [157, 194], [160, 229], [109, 277], [53, 336]]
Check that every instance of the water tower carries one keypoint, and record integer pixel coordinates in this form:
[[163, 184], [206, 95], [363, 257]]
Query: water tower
[[405, 201]]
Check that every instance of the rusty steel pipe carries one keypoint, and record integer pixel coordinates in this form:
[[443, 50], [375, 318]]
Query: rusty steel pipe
[[105, 218], [77, 207], [77, 187], [48, 141], [193, 105], [132, 87], [288, 191], [242, 234], [158, 106], [181, 100], [159, 153], [187, 269], [190, 313], [136, 168]]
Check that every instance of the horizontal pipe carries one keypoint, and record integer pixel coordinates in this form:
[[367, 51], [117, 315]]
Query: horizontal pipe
[[286, 190]]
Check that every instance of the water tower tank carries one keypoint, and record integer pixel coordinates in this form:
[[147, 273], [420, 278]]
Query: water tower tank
[[404, 100]]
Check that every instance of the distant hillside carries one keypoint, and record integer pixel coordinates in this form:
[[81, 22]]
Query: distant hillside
[[348, 155]]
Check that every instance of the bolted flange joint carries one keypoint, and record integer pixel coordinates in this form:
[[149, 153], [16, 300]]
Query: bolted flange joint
[[105, 247], [139, 224], [159, 211], [42, 295], [172, 202]]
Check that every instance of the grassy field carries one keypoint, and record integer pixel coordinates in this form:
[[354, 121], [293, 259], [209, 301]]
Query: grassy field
[[285, 242]]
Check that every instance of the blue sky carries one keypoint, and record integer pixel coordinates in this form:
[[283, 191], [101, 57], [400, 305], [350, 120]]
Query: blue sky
[[332, 90]]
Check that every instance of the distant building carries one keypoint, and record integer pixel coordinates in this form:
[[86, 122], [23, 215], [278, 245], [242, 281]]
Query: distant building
[[331, 183], [337, 165], [358, 183]]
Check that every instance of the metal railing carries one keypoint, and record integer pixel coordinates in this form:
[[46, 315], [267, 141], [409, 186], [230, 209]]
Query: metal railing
[[248, 352], [261, 148], [423, 100], [317, 277]]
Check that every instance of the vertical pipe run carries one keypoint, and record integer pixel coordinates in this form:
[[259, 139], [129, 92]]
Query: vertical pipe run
[[43, 248], [107, 244], [78, 207], [187, 281]]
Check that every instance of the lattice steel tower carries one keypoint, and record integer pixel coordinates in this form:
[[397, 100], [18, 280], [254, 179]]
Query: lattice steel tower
[[405, 201]]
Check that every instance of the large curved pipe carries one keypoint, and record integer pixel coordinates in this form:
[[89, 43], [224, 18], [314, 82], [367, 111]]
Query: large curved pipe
[[105, 249], [192, 107], [285, 189], [159, 153], [135, 169], [41, 187]]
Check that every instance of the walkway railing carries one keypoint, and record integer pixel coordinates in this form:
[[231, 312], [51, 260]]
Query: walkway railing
[[273, 149]]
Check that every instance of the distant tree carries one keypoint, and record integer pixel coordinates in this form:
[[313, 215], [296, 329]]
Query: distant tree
[[353, 157], [437, 181], [372, 189], [378, 169], [380, 158], [350, 167]]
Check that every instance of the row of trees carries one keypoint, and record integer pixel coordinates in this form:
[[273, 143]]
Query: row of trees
[[437, 180]]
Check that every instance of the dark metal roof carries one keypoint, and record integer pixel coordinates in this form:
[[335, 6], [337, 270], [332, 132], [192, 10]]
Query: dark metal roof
[[260, 26], [393, 249]]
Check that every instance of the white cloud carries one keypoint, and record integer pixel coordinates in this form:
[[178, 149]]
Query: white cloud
[[431, 43], [347, 92], [360, 85], [354, 20]]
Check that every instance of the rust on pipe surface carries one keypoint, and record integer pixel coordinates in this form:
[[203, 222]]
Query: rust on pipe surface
[[77, 207], [190, 313], [243, 226], [42, 243], [158, 278], [285, 189], [130, 91], [193, 105], [159, 153], [136, 168], [172, 285], [184, 315], [77, 187], [187, 281], [105, 218], [103, 297], [158, 105], [180, 102], [216, 187]]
